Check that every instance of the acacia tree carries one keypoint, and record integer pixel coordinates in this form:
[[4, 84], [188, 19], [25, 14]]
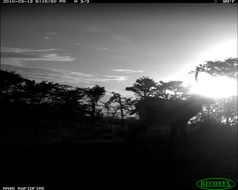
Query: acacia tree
[[121, 103], [229, 67], [40, 93], [143, 87], [70, 102], [12, 86], [110, 111], [12, 91], [171, 90], [93, 95]]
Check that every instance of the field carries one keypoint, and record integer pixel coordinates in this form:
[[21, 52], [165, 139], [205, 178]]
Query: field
[[77, 158]]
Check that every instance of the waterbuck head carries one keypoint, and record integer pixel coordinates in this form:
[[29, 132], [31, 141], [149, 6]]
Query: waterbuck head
[[200, 99], [196, 74]]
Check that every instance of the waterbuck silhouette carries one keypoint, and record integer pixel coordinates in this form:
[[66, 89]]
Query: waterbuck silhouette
[[172, 113]]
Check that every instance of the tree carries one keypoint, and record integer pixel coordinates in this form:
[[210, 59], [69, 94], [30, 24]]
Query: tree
[[39, 93], [70, 102], [171, 90], [12, 92], [94, 94], [110, 111], [9, 80], [12, 86], [122, 104], [143, 87], [229, 68]]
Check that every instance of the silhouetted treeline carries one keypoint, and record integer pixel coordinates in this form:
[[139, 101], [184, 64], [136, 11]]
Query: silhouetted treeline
[[26, 103], [29, 105]]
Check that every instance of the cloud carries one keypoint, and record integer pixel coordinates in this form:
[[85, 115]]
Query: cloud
[[107, 34], [100, 48], [106, 78], [11, 61], [22, 50], [103, 48], [53, 57], [50, 35], [128, 70], [20, 55], [96, 28], [122, 40], [47, 38], [76, 77], [77, 43], [63, 76]]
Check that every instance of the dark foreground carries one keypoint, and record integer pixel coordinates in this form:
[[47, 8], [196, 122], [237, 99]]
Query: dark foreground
[[113, 164], [104, 165], [109, 165]]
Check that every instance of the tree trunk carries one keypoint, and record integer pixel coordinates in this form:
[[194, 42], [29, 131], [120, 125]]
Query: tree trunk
[[93, 114], [122, 118], [227, 113], [227, 120]]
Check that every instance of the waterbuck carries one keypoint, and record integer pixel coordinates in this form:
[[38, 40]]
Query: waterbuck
[[172, 113]]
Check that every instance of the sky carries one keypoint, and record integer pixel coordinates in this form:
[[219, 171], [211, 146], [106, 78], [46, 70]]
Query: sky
[[112, 45]]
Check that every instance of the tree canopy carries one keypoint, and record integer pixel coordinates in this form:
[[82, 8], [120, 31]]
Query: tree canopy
[[228, 67], [143, 87]]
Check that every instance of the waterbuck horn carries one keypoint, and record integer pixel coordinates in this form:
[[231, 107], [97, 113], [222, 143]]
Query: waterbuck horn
[[196, 74]]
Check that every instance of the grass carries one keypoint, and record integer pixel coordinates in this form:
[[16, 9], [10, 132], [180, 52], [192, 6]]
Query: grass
[[78, 157]]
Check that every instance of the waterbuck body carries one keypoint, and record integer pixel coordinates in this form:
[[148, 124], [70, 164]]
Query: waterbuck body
[[173, 113]]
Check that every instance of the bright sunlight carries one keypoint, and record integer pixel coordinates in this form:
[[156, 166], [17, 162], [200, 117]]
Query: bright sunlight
[[214, 87]]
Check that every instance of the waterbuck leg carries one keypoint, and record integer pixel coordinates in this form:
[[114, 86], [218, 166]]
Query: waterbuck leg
[[173, 132], [142, 132], [132, 139], [185, 137], [138, 136]]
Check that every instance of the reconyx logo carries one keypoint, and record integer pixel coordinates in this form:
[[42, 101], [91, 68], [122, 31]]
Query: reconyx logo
[[215, 183]]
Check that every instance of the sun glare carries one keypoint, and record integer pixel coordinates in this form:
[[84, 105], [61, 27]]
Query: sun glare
[[221, 51], [214, 87]]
